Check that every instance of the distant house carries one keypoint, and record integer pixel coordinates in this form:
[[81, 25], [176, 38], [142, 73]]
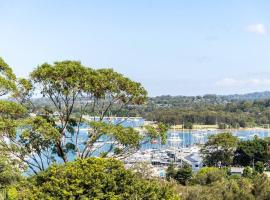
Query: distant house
[[195, 161], [237, 170]]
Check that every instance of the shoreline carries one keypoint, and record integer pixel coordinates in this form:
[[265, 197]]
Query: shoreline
[[216, 129]]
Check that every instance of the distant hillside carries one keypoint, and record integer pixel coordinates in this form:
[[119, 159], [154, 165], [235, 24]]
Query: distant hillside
[[188, 101], [249, 96], [208, 99], [238, 110]]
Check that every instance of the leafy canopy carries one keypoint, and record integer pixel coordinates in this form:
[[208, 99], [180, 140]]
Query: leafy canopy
[[219, 149], [94, 178]]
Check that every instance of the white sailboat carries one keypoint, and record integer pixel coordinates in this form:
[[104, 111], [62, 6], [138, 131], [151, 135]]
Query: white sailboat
[[174, 140]]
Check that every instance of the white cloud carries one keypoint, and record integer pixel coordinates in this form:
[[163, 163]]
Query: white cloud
[[253, 82], [257, 28]]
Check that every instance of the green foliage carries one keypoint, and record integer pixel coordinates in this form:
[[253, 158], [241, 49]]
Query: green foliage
[[75, 90], [232, 189], [259, 167], [125, 138], [213, 184], [248, 173], [251, 151], [24, 92], [9, 175], [209, 175], [11, 110], [182, 174], [9, 172], [157, 131], [68, 84], [219, 149], [222, 126], [262, 187], [143, 170], [38, 141], [7, 78], [115, 84], [65, 78], [93, 178], [171, 172], [226, 111], [30, 138], [188, 125]]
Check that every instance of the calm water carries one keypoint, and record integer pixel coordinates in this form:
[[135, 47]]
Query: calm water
[[189, 138], [178, 139]]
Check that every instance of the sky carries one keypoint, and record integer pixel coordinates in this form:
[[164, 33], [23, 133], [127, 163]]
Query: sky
[[173, 47]]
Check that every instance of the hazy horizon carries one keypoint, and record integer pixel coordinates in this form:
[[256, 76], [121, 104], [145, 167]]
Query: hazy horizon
[[215, 94], [171, 47]]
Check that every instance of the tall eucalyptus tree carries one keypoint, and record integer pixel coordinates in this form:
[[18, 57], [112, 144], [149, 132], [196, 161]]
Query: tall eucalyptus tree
[[71, 87]]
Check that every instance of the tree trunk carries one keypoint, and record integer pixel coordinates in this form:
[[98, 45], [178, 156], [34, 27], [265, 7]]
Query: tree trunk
[[61, 152]]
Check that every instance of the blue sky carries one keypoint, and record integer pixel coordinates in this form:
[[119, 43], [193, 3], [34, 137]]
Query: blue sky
[[183, 47]]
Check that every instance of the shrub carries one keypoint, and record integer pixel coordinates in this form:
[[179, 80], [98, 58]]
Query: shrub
[[94, 178]]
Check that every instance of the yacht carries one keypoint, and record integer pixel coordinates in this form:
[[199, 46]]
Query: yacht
[[174, 138]]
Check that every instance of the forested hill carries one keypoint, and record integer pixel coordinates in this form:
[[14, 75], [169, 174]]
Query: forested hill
[[248, 96], [246, 110], [179, 101], [185, 101]]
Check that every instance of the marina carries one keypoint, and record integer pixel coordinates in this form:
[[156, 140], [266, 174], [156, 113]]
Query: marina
[[182, 146]]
